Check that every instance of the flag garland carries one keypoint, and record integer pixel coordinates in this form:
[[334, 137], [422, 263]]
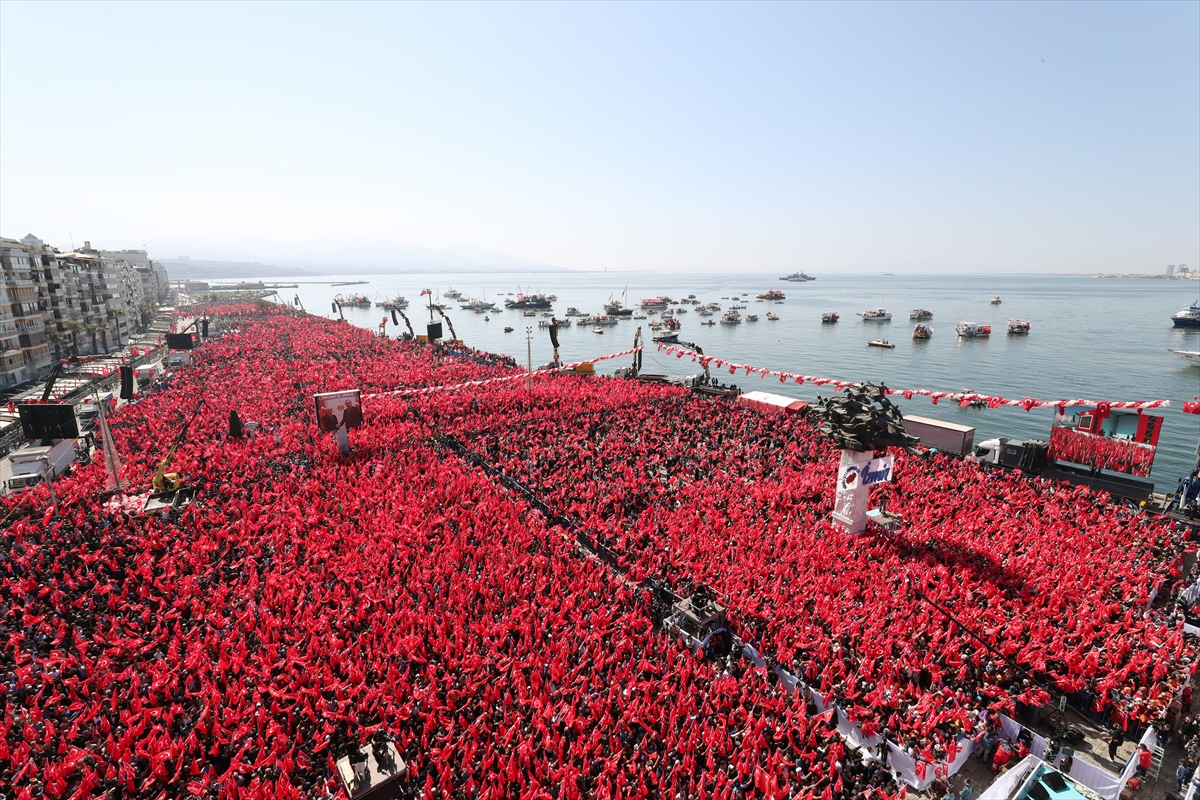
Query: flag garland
[[962, 398]]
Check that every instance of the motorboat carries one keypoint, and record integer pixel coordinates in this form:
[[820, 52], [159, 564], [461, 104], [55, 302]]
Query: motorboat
[[771, 294], [1188, 317], [923, 332], [1192, 357], [995, 300], [656, 303], [552, 323], [668, 338], [971, 330], [572, 311], [1018, 327], [797, 277], [597, 329], [920, 314], [736, 307], [508, 329], [681, 311], [731, 318], [880, 343], [752, 318], [487, 318], [614, 309], [529, 312], [709, 322], [876, 315], [772, 317], [452, 293], [397, 303], [829, 318], [539, 301]]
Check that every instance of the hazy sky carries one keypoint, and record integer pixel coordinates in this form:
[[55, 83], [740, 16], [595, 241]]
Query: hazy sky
[[856, 136]]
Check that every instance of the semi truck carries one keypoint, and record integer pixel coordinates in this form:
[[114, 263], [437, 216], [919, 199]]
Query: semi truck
[[31, 465]]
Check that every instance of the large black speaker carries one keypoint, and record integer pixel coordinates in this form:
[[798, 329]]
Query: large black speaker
[[46, 421], [126, 382], [180, 341], [204, 328], [434, 331]]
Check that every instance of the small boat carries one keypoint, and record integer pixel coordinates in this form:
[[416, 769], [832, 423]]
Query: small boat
[[1018, 327], [772, 317], [1192, 357], [508, 329], [771, 294], [736, 307], [920, 314], [1188, 317], [572, 311], [487, 318], [452, 293], [640, 316], [529, 312], [923, 332], [731, 318], [797, 277], [705, 312], [398, 303], [681, 311], [356, 300], [971, 330], [829, 318], [477, 305], [995, 300], [880, 343], [876, 315], [709, 322], [597, 329], [668, 338], [657, 303], [752, 318]]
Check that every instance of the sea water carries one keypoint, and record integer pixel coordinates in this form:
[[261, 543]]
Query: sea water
[[1093, 338]]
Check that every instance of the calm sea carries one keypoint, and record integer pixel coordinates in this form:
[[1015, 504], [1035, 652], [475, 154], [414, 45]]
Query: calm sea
[[1101, 339]]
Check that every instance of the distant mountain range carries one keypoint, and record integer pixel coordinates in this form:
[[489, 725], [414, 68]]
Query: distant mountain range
[[328, 257]]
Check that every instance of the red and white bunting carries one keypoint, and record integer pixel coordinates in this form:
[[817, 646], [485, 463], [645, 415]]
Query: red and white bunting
[[962, 398]]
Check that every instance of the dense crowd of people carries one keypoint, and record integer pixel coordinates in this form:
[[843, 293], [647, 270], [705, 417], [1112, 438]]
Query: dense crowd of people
[[308, 602]]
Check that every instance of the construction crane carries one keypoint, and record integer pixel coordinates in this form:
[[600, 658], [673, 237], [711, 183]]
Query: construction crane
[[449, 324], [396, 322], [299, 304], [169, 481], [50, 379]]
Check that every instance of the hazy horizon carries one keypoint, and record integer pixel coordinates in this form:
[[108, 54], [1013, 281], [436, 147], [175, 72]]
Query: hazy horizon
[[912, 138]]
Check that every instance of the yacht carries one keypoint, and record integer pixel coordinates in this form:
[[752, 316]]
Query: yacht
[[972, 330], [1188, 317], [1018, 327], [876, 315], [452, 293], [923, 332], [1192, 357], [920, 314]]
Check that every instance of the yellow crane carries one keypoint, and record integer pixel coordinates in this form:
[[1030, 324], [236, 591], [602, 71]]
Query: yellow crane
[[170, 481]]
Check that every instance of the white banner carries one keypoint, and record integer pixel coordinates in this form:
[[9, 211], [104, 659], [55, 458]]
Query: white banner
[[868, 473]]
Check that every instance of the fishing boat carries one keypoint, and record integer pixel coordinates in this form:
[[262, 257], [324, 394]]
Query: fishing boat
[[705, 312], [876, 315], [731, 318], [356, 300], [597, 329], [797, 277], [614, 309], [709, 322], [539, 301], [656, 303], [551, 323], [477, 305], [1188, 317], [737, 307], [529, 312], [771, 294], [920, 314], [971, 330], [452, 293], [397, 303], [829, 318], [772, 317], [1192, 357], [508, 329], [752, 318], [995, 300], [572, 311], [923, 332], [681, 311], [880, 343], [1018, 327]]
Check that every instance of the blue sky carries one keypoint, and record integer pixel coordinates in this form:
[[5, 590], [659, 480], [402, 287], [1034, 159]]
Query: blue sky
[[759, 137]]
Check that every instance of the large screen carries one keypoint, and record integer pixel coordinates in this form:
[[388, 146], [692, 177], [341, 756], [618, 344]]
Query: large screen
[[339, 409], [180, 341], [47, 421], [1121, 441]]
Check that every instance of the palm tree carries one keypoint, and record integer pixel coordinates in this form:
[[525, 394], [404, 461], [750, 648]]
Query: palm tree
[[75, 328], [93, 330], [57, 340]]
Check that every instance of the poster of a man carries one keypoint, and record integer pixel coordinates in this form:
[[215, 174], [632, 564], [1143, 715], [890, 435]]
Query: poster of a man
[[339, 409]]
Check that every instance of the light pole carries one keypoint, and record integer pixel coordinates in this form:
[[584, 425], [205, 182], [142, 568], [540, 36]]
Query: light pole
[[529, 359], [49, 479]]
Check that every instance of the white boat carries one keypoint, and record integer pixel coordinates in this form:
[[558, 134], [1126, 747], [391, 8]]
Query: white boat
[[752, 318], [1188, 317], [771, 316], [923, 332], [452, 293], [1192, 357], [972, 330], [880, 343], [876, 315], [995, 300], [597, 330], [1019, 327], [731, 318], [920, 314]]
